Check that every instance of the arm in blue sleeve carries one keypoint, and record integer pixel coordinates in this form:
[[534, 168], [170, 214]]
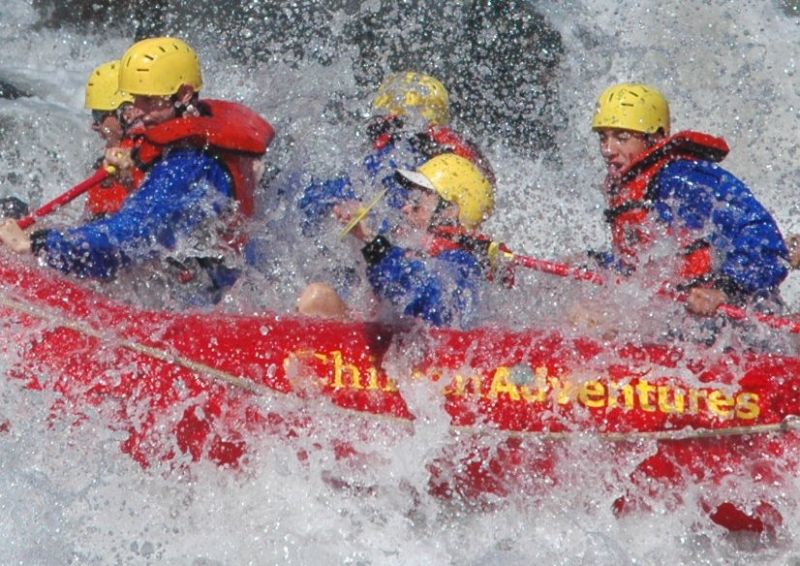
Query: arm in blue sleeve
[[182, 192], [442, 290], [319, 198], [756, 252], [743, 234]]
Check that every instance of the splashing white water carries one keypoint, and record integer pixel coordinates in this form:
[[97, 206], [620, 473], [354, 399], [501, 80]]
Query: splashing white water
[[70, 497]]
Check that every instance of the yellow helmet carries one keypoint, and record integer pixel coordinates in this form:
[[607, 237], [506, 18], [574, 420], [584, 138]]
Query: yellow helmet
[[101, 88], [457, 180], [401, 92], [159, 66], [632, 106]]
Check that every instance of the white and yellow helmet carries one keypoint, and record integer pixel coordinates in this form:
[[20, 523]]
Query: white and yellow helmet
[[458, 180]]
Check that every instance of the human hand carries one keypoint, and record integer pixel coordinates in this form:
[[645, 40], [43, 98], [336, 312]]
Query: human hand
[[705, 302], [322, 301], [352, 214], [119, 158], [793, 242], [14, 237]]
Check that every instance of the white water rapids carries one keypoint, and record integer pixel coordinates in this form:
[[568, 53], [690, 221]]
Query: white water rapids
[[69, 496]]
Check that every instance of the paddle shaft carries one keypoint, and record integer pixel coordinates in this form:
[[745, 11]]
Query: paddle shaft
[[730, 311], [63, 199], [560, 269], [362, 213]]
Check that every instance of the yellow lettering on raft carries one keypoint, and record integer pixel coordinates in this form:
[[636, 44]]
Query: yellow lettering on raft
[[564, 390], [694, 400], [339, 370], [644, 388], [593, 394], [678, 399], [458, 386], [501, 385], [720, 404], [747, 407]]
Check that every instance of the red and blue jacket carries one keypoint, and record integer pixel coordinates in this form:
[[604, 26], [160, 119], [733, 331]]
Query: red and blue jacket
[[196, 168], [726, 238]]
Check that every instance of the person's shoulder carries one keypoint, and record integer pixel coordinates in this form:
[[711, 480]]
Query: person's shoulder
[[697, 171], [689, 165], [190, 155], [186, 162]]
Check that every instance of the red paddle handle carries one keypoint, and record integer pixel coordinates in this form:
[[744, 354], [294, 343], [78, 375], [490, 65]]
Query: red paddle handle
[[63, 199]]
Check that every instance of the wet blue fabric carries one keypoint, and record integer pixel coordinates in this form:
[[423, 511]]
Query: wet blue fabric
[[182, 193], [714, 204], [709, 203], [441, 290], [377, 170]]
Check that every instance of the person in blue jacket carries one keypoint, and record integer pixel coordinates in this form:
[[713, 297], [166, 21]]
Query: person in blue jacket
[[423, 271], [190, 194], [661, 187], [410, 127]]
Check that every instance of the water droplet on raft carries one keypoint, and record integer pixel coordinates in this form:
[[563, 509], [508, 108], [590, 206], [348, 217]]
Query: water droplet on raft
[[521, 374]]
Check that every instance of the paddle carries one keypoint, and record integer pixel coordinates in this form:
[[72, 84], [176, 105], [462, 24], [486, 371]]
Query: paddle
[[564, 270], [581, 274], [65, 198], [362, 213]]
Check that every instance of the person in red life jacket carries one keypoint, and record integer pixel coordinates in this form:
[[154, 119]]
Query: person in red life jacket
[[424, 272], [107, 105], [662, 186], [201, 162], [410, 127]]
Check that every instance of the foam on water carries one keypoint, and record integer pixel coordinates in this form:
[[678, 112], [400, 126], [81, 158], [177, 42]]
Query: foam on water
[[69, 496]]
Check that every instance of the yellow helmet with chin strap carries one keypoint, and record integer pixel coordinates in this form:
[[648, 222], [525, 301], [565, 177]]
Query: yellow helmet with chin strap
[[458, 180], [632, 106], [102, 91], [159, 66], [402, 92]]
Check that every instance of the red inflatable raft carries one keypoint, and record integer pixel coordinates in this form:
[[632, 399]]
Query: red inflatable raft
[[191, 386]]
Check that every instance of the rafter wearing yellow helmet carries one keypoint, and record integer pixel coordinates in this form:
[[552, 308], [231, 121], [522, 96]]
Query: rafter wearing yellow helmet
[[632, 106], [659, 186], [407, 92]]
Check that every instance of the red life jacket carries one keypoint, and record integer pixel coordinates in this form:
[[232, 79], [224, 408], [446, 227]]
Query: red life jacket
[[453, 142], [631, 198], [231, 131], [106, 197], [109, 196]]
